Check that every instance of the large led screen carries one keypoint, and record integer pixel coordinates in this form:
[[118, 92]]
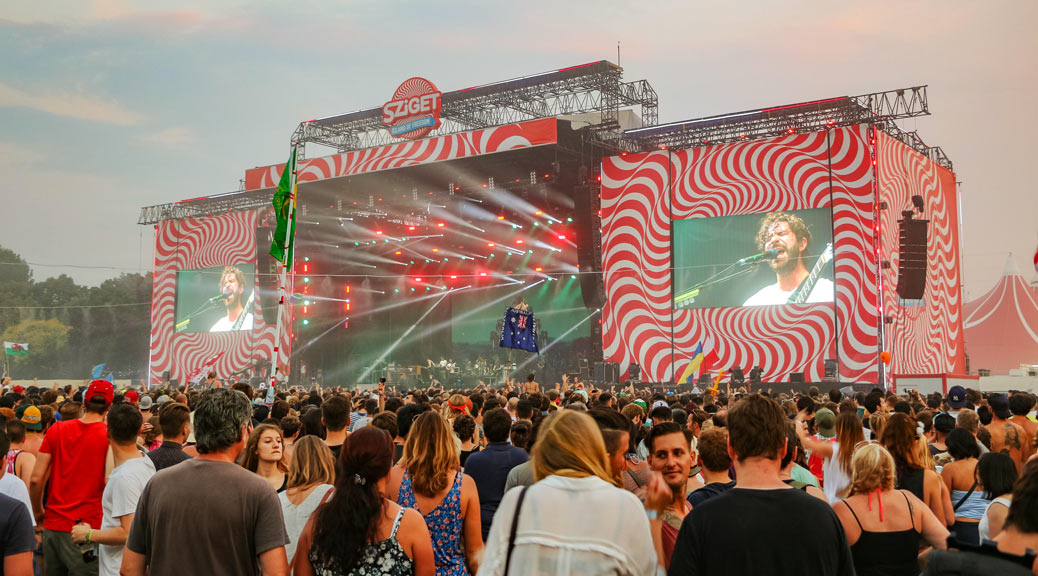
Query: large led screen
[[216, 299], [754, 259]]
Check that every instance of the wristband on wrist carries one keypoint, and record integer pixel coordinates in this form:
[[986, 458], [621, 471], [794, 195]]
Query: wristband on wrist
[[90, 532], [652, 514]]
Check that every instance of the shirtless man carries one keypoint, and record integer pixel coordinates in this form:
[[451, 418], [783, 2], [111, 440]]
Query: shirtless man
[[1020, 404], [531, 385], [1006, 436]]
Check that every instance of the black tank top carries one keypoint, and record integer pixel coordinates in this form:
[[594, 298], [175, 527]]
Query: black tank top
[[911, 479], [886, 553]]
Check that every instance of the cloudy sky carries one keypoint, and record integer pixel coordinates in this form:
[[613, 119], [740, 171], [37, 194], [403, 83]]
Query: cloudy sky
[[107, 106]]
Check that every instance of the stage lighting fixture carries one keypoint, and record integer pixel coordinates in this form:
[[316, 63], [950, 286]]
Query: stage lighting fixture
[[907, 214], [917, 201]]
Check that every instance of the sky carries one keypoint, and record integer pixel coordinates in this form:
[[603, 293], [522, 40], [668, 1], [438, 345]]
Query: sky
[[107, 106]]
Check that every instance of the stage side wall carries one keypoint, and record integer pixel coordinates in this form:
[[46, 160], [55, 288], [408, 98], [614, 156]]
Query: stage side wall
[[201, 243], [788, 173], [927, 339]]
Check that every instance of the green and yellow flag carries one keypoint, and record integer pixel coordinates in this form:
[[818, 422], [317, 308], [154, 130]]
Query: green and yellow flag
[[285, 210]]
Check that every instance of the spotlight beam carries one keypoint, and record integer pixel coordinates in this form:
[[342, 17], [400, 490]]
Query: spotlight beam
[[388, 351]]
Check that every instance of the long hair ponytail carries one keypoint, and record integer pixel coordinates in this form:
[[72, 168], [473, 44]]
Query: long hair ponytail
[[350, 518]]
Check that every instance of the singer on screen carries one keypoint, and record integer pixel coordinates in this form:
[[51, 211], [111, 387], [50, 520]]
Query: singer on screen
[[232, 286], [790, 237]]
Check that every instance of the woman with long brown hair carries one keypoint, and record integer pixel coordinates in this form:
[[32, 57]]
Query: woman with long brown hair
[[836, 455], [884, 526], [900, 439], [429, 479], [310, 479], [358, 530], [264, 454]]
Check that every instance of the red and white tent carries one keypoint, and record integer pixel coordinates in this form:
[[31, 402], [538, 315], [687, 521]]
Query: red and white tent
[[1002, 325]]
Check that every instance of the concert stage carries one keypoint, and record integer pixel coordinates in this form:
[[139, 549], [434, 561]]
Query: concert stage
[[427, 217]]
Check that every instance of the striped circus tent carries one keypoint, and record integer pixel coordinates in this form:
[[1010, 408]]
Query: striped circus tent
[[1002, 325]]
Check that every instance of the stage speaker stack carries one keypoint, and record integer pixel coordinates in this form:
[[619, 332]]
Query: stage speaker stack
[[589, 245], [832, 366], [634, 372], [607, 373], [911, 267], [796, 377]]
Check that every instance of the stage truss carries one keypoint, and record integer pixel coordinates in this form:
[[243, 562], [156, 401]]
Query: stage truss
[[595, 87], [880, 109]]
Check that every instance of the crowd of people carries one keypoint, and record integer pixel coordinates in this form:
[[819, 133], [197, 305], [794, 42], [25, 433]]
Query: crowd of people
[[522, 479]]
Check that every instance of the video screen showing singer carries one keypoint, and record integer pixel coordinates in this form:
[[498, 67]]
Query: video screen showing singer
[[790, 238], [232, 286], [757, 259]]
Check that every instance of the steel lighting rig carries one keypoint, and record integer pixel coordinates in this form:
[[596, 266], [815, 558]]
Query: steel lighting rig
[[594, 87], [881, 109]]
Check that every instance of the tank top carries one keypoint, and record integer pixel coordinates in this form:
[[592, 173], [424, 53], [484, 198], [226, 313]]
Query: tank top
[[836, 480], [444, 524], [886, 553], [12, 455], [911, 479], [382, 558], [973, 507], [985, 528]]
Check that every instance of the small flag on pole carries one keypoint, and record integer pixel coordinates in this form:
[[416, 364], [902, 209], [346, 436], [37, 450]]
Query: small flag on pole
[[285, 211], [16, 349]]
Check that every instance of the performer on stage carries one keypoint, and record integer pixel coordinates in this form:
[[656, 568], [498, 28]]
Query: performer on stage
[[232, 283], [790, 236]]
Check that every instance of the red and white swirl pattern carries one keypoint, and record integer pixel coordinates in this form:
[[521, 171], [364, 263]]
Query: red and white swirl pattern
[[925, 339], [789, 173], [202, 243], [413, 153]]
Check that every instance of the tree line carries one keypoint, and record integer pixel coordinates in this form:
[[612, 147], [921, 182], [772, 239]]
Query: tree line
[[71, 328]]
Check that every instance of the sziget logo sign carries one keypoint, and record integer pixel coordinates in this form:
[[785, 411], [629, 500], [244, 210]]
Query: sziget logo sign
[[414, 110]]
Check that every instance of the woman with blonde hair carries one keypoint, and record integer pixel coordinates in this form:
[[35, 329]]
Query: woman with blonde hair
[[429, 479], [264, 454], [578, 518], [884, 526], [310, 478]]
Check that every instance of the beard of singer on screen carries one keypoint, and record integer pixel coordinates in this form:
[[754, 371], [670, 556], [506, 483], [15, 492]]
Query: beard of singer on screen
[[790, 237], [232, 284]]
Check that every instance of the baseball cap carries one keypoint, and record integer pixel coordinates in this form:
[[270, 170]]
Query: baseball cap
[[944, 423], [18, 390], [100, 387], [825, 422], [659, 403], [956, 397], [132, 396], [32, 418], [640, 402], [146, 403], [162, 400], [258, 402]]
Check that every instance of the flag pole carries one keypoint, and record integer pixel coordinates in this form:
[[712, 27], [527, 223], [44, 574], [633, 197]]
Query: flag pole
[[287, 264]]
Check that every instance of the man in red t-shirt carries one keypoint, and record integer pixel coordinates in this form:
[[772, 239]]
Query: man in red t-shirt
[[71, 463]]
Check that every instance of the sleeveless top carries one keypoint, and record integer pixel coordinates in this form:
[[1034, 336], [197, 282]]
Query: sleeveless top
[[836, 480], [973, 508], [382, 558], [911, 479], [12, 455], [886, 553], [985, 527], [444, 524]]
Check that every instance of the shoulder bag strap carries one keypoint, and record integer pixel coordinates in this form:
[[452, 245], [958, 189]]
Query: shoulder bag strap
[[515, 527], [966, 497]]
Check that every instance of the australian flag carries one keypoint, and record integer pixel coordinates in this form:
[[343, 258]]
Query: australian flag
[[519, 331]]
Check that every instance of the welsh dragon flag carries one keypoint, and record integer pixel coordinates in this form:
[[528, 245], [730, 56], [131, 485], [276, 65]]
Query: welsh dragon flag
[[16, 349], [285, 210]]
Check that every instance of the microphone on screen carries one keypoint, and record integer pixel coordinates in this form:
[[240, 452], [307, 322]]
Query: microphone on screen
[[216, 299], [769, 254]]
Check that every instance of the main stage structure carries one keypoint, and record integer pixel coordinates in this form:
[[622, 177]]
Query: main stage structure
[[538, 188]]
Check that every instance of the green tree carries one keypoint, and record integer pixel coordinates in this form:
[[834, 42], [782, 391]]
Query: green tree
[[15, 286], [46, 340]]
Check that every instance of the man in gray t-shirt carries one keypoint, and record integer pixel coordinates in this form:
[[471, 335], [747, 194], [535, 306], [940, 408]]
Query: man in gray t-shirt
[[209, 515]]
